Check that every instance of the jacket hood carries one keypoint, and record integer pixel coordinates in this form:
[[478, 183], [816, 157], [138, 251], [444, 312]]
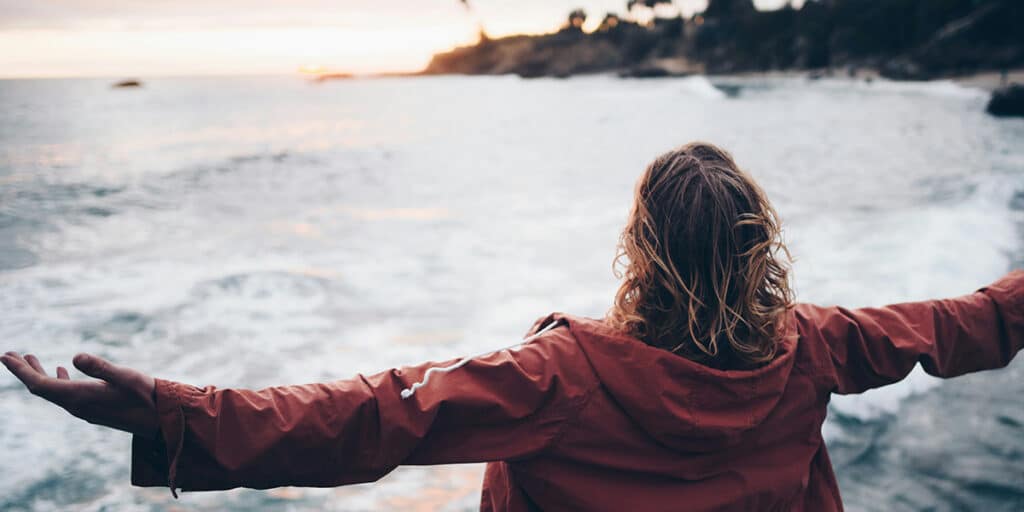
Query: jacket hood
[[681, 403]]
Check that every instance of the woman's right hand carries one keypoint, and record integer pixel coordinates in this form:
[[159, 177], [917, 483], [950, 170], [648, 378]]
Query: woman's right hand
[[122, 398]]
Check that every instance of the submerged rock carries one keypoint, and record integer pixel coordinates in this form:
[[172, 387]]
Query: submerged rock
[[126, 84], [1007, 101]]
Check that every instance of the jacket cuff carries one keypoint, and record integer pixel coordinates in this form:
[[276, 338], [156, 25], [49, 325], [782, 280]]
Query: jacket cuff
[[155, 461]]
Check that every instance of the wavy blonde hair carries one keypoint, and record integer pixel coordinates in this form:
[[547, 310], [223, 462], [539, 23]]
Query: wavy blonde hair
[[704, 267]]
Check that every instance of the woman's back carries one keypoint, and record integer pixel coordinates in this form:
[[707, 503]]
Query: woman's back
[[704, 388], [585, 417], [656, 431]]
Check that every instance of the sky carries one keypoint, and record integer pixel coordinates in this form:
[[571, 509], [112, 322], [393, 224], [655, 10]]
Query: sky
[[142, 38]]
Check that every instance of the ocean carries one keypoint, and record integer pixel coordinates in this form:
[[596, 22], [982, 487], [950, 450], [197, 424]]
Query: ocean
[[254, 231]]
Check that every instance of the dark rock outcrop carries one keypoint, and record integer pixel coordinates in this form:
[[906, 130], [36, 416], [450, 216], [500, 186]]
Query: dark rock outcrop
[[1007, 102], [903, 39]]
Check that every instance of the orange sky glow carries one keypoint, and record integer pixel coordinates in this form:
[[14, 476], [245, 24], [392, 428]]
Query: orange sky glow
[[119, 38]]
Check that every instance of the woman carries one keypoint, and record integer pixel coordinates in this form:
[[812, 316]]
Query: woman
[[704, 388]]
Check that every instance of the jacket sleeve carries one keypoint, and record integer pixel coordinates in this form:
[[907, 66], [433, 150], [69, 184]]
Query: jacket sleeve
[[872, 347], [506, 405]]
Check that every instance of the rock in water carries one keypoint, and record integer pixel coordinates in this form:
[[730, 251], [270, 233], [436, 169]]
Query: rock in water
[[1007, 101], [127, 83]]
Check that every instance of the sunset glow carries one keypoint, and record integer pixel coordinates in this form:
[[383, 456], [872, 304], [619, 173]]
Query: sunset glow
[[126, 38], [312, 69], [137, 53]]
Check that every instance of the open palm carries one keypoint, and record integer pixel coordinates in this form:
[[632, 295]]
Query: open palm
[[122, 398]]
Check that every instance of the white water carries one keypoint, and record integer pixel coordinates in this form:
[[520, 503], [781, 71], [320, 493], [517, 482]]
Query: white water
[[251, 232]]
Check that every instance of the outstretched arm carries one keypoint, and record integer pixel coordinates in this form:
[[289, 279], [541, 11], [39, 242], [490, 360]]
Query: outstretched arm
[[872, 347], [506, 405]]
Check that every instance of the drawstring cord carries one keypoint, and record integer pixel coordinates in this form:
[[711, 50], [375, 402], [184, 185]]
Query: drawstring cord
[[172, 472], [408, 392]]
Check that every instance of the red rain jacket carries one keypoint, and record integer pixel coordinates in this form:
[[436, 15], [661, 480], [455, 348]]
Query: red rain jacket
[[584, 417]]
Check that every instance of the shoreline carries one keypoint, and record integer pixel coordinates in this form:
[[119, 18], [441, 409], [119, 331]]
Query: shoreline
[[990, 80], [987, 80]]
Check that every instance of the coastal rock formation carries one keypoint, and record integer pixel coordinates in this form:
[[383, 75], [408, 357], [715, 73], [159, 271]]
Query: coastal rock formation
[[986, 37], [1007, 102], [565, 53], [903, 39]]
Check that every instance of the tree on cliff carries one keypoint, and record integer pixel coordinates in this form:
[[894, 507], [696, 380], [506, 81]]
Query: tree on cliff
[[610, 21], [642, 11], [577, 17]]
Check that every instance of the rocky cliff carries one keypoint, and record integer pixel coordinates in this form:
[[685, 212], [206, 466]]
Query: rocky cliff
[[905, 39]]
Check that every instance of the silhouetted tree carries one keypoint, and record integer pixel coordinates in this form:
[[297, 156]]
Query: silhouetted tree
[[610, 21], [646, 5], [577, 18]]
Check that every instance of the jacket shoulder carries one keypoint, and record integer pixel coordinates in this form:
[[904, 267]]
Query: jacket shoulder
[[813, 350], [555, 347]]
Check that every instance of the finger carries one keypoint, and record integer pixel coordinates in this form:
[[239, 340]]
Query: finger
[[25, 373], [126, 378], [95, 366], [33, 361], [62, 373]]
